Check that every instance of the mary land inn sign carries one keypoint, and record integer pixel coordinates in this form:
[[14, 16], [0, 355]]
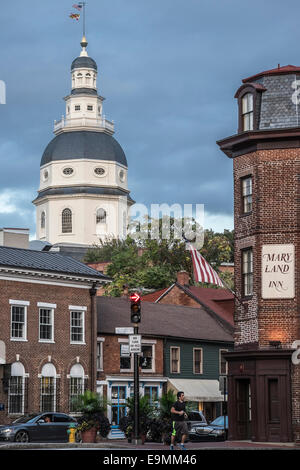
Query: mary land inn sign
[[278, 271]]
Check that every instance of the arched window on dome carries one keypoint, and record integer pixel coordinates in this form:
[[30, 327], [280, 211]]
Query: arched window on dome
[[16, 391], [48, 391], [76, 385], [88, 78], [79, 79], [66, 221], [101, 216]]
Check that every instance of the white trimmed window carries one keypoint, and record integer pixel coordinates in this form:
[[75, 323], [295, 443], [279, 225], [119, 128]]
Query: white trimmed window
[[77, 332], [16, 391], [76, 384], [247, 112], [197, 361], [48, 388], [66, 221], [223, 363], [247, 271], [175, 360], [18, 325], [100, 353], [46, 322]]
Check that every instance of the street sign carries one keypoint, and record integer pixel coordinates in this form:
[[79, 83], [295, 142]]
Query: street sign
[[135, 344], [124, 331]]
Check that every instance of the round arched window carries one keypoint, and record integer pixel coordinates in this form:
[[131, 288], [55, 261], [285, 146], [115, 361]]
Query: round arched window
[[68, 171], [100, 216], [99, 171]]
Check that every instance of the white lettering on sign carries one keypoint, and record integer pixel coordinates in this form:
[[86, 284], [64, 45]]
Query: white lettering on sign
[[278, 271], [135, 342], [296, 354]]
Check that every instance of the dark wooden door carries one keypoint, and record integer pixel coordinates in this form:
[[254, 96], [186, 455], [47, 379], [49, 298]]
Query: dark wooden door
[[243, 410]]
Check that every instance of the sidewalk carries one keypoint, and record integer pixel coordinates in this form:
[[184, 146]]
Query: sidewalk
[[122, 444]]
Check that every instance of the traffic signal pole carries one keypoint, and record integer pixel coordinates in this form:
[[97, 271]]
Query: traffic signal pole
[[136, 433], [135, 319]]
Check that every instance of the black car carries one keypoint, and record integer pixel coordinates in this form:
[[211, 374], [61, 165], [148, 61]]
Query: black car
[[42, 427], [212, 431]]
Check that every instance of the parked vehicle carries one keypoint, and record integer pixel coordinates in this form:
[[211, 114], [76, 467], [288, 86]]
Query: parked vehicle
[[42, 427], [212, 431], [195, 418]]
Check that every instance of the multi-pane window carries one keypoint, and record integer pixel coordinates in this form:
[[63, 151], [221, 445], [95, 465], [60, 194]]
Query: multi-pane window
[[48, 392], [90, 107], [247, 271], [77, 107], [146, 362], [125, 358], [76, 389], [46, 324], [99, 355], [77, 326], [247, 112], [152, 394], [223, 363], [175, 360], [18, 322], [16, 395], [66, 221], [197, 366], [247, 194]]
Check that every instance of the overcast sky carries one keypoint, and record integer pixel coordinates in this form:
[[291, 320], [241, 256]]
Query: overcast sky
[[168, 70]]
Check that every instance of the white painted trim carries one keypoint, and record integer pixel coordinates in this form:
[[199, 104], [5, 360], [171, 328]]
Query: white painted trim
[[44, 304], [23, 303], [77, 307], [51, 283]]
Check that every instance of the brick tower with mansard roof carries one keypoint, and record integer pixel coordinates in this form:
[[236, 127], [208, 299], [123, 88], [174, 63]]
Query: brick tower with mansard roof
[[264, 380]]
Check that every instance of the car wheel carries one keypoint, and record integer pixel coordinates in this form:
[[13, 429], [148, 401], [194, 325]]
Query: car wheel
[[22, 436]]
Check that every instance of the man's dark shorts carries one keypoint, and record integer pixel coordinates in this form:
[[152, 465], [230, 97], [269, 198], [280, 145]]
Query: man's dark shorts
[[179, 428]]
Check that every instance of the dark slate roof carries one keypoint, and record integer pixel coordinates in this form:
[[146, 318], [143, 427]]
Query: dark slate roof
[[161, 320], [84, 144], [67, 190], [85, 91], [45, 261], [83, 62]]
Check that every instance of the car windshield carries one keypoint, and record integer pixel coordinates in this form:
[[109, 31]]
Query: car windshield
[[219, 421], [26, 419]]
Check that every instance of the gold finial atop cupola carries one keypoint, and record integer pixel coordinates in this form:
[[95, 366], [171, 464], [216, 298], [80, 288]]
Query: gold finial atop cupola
[[83, 44]]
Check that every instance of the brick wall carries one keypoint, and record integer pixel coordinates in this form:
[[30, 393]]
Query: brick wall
[[275, 219], [111, 358], [34, 354]]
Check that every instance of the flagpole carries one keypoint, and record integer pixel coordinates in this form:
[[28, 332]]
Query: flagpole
[[83, 11]]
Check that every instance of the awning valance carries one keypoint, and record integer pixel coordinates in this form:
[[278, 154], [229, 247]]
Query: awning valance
[[197, 390]]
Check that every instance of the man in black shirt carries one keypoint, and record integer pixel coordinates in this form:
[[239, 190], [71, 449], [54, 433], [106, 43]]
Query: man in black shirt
[[178, 417]]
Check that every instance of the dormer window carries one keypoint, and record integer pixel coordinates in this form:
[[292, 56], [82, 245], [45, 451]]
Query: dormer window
[[247, 112]]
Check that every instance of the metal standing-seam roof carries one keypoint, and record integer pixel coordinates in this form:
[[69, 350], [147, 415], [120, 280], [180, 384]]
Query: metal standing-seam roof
[[45, 261]]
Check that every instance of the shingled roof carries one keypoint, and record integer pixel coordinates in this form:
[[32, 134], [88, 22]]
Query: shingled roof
[[45, 261], [161, 320]]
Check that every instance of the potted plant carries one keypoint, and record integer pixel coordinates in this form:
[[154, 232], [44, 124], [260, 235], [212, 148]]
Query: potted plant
[[92, 407], [145, 414]]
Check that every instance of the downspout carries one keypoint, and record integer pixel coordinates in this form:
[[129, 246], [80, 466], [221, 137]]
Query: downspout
[[93, 292]]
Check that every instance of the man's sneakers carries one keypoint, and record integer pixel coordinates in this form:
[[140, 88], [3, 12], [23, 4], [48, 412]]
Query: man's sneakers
[[181, 447]]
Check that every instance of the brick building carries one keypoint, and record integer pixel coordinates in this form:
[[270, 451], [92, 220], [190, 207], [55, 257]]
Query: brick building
[[47, 331], [264, 382]]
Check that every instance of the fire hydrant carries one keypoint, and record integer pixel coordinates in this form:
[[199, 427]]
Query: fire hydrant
[[72, 432]]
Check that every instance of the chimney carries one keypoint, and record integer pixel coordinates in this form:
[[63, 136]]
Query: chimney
[[14, 237], [183, 278]]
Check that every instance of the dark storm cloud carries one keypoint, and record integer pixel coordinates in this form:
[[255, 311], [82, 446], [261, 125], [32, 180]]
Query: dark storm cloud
[[169, 70]]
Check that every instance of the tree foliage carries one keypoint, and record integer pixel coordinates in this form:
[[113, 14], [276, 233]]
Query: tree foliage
[[146, 263]]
